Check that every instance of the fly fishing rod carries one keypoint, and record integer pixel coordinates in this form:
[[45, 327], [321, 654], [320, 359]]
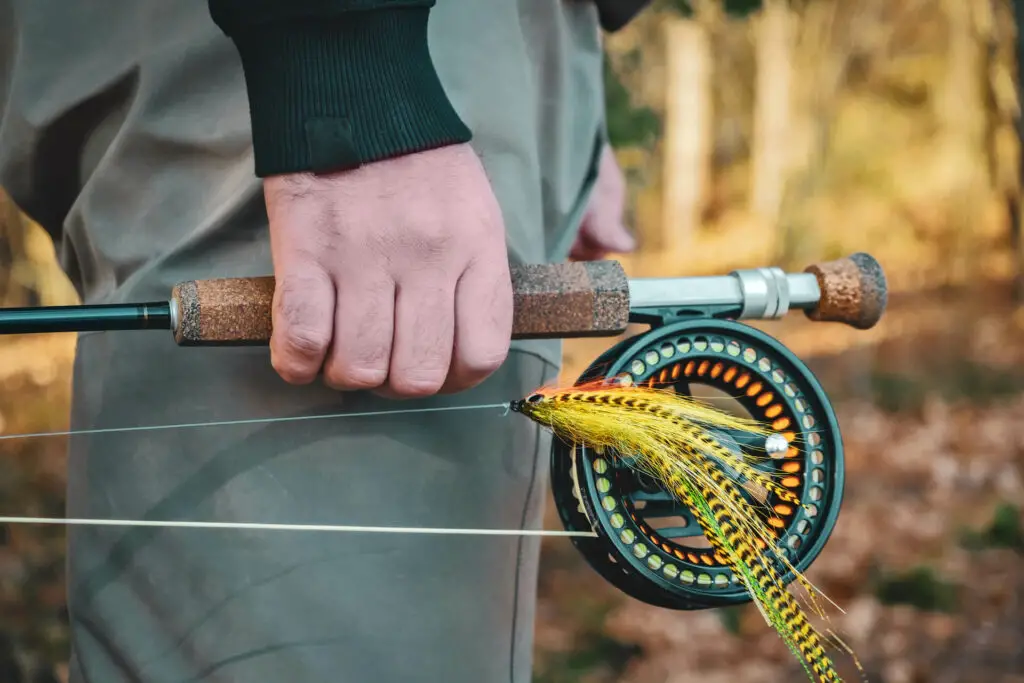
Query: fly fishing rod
[[591, 299], [647, 541]]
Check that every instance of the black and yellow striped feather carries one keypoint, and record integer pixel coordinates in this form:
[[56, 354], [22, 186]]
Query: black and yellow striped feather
[[667, 436]]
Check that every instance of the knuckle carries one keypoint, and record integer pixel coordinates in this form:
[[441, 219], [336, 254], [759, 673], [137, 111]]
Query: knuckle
[[297, 281], [472, 371], [305, 342], [360, 360], [356, 378], [430, 230], [432, 242], [416, 386], [291, 371], [485, 365], [300, 306]]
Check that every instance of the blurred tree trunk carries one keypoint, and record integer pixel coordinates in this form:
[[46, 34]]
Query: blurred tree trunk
[[962, 119], [997, 35], [687, 134], [1016, 226], [772, 144], [823, 57]]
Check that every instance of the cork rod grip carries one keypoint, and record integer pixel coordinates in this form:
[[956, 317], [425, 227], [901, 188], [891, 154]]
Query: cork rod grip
[[550, 301], [853, 291]]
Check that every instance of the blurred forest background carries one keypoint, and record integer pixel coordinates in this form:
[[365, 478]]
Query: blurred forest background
[[797, 132]]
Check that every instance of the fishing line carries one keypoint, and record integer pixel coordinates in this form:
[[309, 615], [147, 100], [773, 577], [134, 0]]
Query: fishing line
[[58, 521], [256, 526], [251, 421]]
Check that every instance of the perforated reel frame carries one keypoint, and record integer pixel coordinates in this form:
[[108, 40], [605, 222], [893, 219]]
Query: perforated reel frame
[[661, 565]]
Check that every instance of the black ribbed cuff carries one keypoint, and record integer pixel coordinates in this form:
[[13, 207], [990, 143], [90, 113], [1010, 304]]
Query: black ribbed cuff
[[335, 94]]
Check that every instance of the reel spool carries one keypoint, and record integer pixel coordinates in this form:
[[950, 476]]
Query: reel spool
[[649, 545]]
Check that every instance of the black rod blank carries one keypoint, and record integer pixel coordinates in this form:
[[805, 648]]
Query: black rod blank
[[92, 318]]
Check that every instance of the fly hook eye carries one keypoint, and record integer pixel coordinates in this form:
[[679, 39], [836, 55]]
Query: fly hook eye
[[517, 406]]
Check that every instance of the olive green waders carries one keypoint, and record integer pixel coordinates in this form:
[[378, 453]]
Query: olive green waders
[[125, 133]]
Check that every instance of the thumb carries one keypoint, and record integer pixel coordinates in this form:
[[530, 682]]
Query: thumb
[[608, 232]]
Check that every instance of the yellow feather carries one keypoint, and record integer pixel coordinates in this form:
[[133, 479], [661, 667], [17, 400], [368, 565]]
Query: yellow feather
[[668, 437]]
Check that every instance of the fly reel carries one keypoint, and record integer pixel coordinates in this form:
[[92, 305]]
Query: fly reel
[[649, 545]]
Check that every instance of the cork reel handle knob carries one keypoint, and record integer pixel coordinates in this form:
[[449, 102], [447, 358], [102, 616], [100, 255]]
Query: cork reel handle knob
[[853, 291], [550, 301]]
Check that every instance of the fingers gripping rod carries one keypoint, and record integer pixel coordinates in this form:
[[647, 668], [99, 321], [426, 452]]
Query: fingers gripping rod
[[566, 300]]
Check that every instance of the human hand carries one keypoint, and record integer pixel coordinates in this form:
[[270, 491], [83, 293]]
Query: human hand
[[391, 277], [603, 231]]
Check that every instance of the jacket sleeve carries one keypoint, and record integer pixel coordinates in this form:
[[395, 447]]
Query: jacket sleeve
[[334, 84]]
